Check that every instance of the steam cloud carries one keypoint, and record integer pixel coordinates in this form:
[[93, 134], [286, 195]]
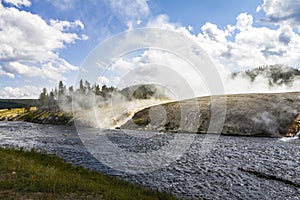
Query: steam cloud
[[95, 111]]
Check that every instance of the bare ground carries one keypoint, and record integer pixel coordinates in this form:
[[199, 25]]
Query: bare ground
[[269, 115]]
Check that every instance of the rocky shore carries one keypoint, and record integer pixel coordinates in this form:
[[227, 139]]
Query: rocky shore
[[294, 127]]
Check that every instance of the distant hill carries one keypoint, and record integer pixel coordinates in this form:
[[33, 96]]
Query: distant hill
[[17, 103], [146, 91], [275, 74]]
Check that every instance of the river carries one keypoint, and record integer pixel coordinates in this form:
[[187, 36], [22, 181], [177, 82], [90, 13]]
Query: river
[[235, 168]]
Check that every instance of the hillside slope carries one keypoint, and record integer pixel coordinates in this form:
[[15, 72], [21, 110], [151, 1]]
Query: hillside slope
[[247, 114]]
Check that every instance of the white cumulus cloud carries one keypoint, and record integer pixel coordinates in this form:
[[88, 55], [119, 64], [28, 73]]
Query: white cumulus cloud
[[282, 12], [102, 80], [18, 3], [250, 46], [244, 21], [5, 73], [130, 8], [29, 44], [131, 12], [236, 47], [26, 91]]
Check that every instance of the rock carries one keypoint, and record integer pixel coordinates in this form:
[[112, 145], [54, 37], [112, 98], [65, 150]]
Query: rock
[[294, 127]]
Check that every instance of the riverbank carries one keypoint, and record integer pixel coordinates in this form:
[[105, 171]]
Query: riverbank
[[35, 115], [14, 113], [32, 175], [266, 115], [222, 171], [48, 117]]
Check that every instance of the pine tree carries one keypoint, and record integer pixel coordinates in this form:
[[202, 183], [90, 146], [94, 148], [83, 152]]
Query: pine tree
[[87, 87], [81, 87], [51, 101], [55, 93], [71, 90], [61, 88], [43, 99], [97, 90]]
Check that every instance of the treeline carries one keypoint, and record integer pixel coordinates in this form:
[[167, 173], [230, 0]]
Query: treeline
[[63, 95], [276, 74]]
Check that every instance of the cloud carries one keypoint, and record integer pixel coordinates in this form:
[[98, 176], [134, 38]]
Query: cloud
[[237, 47], [16, 67], [18, 3], [244, 22], [121, 65], [243, 46], [26, 36], [30, 92], [130, 9], [131, 12], [282, 12], [29, 45], [63, 4], [45, 71], [66, 25], [102, 80], [211, 32], [153, 66], [4, 73]]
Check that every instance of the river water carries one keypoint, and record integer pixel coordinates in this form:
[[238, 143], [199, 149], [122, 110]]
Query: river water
[[235, 168]]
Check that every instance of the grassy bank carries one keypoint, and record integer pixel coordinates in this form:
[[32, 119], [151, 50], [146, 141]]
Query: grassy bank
[[48, 117], [15, 113], [35, 115], [32, 175]]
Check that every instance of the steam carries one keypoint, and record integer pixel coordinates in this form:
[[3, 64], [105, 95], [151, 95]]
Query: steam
[[95, 111], [153, 64], [267, 121], [113, 116], [108, 113], [296, 137], [267, 79]]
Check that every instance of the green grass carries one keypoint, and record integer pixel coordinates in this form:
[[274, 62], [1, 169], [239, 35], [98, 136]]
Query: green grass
[[32, 175]]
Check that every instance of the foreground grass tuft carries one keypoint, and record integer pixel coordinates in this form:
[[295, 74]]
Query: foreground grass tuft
[[32, 175]]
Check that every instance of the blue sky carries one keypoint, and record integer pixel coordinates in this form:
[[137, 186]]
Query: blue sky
[[45, 41], [197, 13]]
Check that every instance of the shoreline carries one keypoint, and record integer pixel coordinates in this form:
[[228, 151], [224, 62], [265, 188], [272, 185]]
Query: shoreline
[[167, 132], [35, 115], [257, 115], [54, 118]]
